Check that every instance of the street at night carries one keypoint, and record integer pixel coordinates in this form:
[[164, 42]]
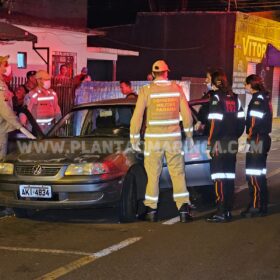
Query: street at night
[[140, 139]]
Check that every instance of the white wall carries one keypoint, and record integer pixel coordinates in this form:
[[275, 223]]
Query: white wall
[[57, 40]]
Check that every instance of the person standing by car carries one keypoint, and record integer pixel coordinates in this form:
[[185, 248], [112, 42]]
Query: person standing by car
[[258, 127], [31, 82], [123, 115], [43, 103], [8, 119], [203, 124], [127, 90], [163, 102], [227, 125]]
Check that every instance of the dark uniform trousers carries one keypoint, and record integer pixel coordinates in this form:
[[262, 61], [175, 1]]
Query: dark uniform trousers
[[223, 172], [256, 171]]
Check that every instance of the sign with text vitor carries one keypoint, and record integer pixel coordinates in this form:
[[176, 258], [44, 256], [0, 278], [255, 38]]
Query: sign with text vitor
[[252, 34]]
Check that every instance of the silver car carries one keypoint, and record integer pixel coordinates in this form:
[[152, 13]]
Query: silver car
[[86, 161]]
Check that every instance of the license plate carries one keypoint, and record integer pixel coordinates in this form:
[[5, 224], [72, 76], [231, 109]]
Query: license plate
[[35, 191]]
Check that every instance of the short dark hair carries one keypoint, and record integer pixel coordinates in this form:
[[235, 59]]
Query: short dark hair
[[256, 82], [30, 73], [219, 79], [128, 83], [63, 65]]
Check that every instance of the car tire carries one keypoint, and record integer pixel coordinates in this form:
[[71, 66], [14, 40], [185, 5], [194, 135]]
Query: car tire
[[133, 194], [22, 213], [128, 202]]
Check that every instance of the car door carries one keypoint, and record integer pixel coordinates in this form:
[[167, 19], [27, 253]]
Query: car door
[[197, 162], [16, 135]]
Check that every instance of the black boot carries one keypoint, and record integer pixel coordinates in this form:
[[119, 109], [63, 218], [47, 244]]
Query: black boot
[[244, 212], [151, 214], [251, 212], [185, 213], [220, 218]]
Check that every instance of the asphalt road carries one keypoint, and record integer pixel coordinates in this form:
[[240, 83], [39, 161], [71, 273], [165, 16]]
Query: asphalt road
[[91, 244]]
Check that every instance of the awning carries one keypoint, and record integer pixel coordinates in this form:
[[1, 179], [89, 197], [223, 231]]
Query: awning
[[9, 32], [272, 56]]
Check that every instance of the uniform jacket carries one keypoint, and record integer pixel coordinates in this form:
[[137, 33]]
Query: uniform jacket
[[259, 115], [164, 102], [8, 119], [43, 106], [227, 117]]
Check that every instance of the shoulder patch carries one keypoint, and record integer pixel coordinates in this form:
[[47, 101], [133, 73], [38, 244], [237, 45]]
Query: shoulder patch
[[257, 102], [215, 102]]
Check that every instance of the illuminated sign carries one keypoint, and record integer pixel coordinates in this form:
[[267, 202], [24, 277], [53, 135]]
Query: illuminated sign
[[254, 46]]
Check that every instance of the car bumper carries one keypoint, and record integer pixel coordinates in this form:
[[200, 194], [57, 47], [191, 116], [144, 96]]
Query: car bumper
[[64, 196]]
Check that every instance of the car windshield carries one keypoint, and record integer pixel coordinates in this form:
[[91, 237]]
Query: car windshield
[[105, 121], [112, 121]]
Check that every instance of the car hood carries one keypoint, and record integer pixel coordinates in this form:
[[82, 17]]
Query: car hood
[[73, 150]]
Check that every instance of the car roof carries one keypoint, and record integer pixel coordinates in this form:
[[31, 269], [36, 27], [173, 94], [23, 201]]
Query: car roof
[[108, 102], [127, 101]]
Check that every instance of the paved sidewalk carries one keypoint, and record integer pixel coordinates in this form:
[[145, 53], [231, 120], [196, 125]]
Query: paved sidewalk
[[275, 135]]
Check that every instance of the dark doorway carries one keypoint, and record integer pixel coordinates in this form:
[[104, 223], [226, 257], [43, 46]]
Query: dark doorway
[[100, 70]]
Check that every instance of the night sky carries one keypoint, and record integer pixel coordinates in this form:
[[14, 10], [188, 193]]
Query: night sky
[[103, 13]]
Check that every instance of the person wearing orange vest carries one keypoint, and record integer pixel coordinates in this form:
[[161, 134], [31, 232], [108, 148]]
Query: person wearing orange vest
[[164, 102], [42, 103]]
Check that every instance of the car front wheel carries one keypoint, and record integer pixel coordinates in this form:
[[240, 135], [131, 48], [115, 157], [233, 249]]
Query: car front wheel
[[133, 192]]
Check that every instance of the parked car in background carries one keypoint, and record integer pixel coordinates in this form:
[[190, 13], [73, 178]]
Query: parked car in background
[[86, 161]]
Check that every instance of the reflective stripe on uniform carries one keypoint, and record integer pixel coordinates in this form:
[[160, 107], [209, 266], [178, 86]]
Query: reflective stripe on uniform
[[164, 95], [44, 120], [217, 96], [162, 82], [160, 135], [153, 198], [264, 171], [215, 116], [188, 129], [240, 115], [34, 95], [215, 176], [46, 98], [256, 172], [164, 122], [135, 136], [146, 154], [260, 96], [185, 194], [257, 114], [239, 104]]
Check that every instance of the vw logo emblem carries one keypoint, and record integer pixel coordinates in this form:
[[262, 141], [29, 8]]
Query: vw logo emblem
[[37, 169]]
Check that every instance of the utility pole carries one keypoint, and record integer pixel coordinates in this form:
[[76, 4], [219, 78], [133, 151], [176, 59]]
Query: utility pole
[[184, 5], [229, 2]]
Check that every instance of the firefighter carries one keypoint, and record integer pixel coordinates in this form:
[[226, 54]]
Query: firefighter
[[8, 119], [258, 127], [227, 125], [42, 103], [164, 101]]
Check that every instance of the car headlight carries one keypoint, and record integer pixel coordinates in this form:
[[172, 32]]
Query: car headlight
[[6, 168], [87, 169]]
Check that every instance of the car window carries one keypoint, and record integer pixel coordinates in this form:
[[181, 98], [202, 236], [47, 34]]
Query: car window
[[71, 125], [99, 121], [108, 121]]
